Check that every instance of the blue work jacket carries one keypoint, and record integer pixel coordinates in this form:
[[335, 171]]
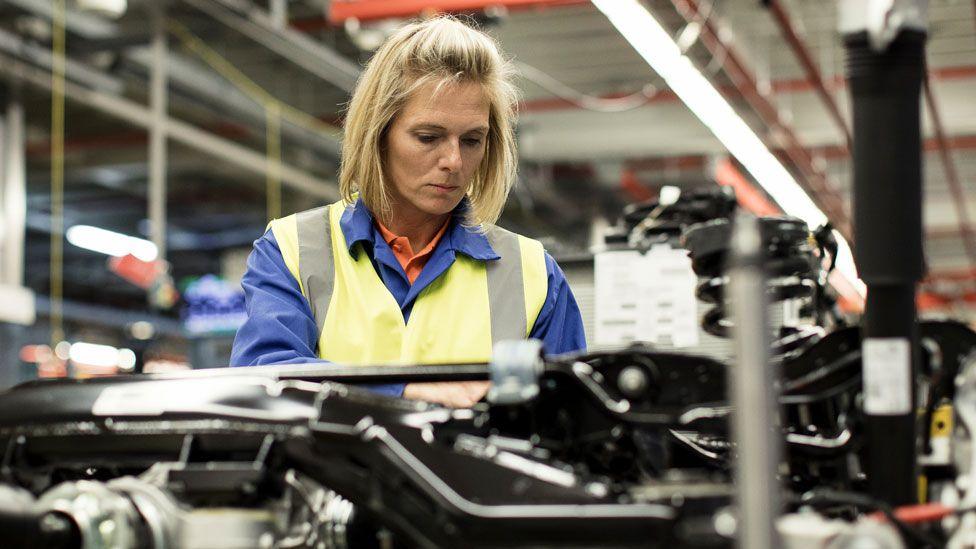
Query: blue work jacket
[[280, 328]]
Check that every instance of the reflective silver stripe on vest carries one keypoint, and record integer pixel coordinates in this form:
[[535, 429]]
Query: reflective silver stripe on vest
[[315, 265], [506, 290]]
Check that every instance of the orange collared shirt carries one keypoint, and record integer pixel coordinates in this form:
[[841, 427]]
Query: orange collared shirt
[[411, 262]]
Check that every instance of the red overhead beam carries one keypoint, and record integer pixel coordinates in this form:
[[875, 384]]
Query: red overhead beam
[[955, 143], [664, 163], [956, 275], [809, 66], [791, 85], [952, 176], [943, 232], [746, 193], [814, 180], [632, 187], [367, 10]]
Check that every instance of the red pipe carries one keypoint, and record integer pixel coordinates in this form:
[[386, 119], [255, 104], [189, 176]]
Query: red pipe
[[749, 197], [952, 176], [790, 85], [820, 189], [943, 232], [668, 163], [809, 66], [956, 142], [918, 514], [366, 10]]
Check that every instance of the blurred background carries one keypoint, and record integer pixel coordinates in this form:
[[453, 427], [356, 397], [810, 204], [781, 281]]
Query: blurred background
[[146, 144]]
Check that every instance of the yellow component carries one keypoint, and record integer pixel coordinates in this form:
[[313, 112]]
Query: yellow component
[[450, 321], [58, 64], [942, 421], [923, 489], [272, 115]]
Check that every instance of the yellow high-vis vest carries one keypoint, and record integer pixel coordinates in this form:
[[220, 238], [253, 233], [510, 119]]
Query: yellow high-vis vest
[[456, 319]]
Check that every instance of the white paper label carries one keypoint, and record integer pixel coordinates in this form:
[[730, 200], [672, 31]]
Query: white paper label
[[648, 298], [670, 310], [617, 277], [887, 376]]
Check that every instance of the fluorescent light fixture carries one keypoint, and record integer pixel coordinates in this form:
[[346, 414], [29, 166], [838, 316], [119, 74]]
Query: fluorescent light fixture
[[108, 8], [656, 46], [101, 355], [110, 242]]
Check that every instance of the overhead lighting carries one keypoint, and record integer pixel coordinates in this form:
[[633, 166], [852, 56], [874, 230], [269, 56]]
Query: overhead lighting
[[110, 242], [102, 355], [107, 8], [652, 42]]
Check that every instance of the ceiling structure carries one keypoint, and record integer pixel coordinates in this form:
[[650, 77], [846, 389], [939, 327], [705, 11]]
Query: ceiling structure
[[579, 161]]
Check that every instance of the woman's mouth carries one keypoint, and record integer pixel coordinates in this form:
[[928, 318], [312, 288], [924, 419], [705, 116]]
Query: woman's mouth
[[444, 188]]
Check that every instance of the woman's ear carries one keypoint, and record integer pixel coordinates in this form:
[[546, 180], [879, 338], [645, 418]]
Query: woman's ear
[[384, 135]]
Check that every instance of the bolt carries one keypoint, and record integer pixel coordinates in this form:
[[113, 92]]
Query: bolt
[[632, 381]]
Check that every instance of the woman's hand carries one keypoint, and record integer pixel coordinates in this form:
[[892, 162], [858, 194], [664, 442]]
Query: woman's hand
[[456, 394]]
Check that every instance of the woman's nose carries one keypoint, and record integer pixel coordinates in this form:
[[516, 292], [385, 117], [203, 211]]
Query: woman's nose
[[451, 157]]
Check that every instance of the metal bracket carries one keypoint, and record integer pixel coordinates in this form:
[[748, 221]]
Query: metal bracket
[[882, 19], [515, 368], [964, 406]]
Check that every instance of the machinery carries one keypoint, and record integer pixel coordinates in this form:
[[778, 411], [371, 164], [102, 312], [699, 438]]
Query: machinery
[[821, 435], [628, 449]]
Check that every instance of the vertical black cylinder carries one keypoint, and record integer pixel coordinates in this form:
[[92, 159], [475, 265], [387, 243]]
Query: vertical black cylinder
[[885, 89]]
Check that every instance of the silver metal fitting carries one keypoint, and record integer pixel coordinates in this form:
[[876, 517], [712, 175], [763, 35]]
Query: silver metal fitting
[[882, 19], [515, 369]]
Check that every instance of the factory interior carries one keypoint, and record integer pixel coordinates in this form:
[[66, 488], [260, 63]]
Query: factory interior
[[743, 253]]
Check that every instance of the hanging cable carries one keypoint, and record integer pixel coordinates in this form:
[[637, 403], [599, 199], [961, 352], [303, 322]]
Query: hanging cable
[[272, 114], [582, 100], [57, 173]]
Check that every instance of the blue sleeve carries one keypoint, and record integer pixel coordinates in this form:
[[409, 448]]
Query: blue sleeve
[[559, 325], [280, 328]]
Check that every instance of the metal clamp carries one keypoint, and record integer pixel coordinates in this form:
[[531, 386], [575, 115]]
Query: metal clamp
[[882, 19], [515, 368]]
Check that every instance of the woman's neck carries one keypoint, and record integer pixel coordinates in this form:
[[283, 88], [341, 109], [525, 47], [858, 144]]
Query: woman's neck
[[419, 229]]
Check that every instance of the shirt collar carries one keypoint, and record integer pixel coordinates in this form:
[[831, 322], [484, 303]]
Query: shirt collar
[[356, 224]]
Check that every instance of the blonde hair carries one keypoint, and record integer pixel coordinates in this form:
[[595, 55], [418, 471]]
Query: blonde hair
[[442, 51]]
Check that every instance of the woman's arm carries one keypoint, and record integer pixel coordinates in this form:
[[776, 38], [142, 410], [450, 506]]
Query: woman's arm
[[559, 324]]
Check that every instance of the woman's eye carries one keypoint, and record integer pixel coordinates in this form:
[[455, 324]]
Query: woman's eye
[[471, 141], [426, 138]]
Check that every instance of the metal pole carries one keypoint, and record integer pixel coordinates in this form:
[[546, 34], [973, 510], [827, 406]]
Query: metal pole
[[753, 381], [14, 195], [805, 58], [278, 13], [885, 65], [12, 219], [177, 130], [157, 131]]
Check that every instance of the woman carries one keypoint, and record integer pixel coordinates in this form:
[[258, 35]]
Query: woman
[[408, 267]]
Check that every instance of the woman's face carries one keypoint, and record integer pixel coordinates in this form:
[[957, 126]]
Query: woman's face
[[433, 148]]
